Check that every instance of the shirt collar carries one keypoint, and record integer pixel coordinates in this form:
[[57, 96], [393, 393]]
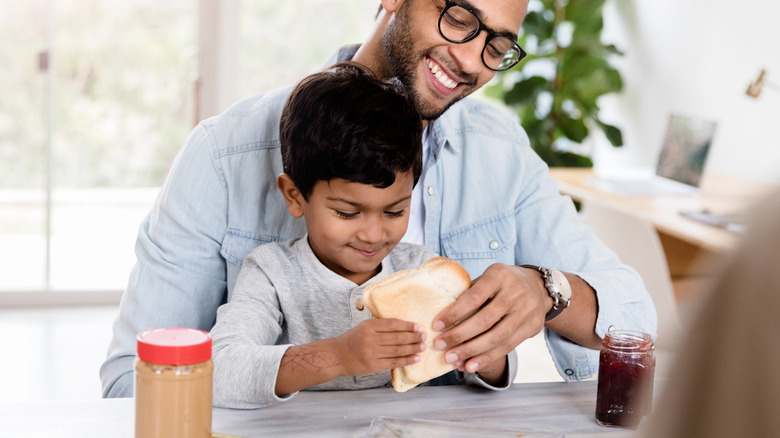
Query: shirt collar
[[344, 53]]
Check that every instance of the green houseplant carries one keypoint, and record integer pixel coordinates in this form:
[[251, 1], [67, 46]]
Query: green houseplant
[[556, 90]]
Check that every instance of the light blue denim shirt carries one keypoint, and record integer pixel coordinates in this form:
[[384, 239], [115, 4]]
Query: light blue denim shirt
[[488, 199]]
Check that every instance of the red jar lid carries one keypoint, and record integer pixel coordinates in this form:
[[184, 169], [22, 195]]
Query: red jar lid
[[174, 346]]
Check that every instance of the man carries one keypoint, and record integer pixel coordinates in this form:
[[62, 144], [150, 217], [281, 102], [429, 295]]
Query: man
[[484, 199]]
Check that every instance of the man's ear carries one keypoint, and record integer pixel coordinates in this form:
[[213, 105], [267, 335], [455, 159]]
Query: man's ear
[[392, 5], [292, 196]]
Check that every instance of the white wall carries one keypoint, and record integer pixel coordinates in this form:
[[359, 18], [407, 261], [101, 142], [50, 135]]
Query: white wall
[[696, 57]]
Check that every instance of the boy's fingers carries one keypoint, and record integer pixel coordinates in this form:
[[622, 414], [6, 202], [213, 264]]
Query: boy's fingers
[[401, 338], [402, 350], [397, 362], [396, 325]]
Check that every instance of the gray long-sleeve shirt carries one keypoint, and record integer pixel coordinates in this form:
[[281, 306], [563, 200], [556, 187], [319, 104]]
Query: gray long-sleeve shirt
[[284, 296]]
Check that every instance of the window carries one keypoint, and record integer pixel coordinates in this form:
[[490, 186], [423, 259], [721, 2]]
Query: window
[[280, 42], [96, 100], [98, 96]]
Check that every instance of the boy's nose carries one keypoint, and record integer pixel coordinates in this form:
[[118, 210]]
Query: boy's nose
[[371, 231]]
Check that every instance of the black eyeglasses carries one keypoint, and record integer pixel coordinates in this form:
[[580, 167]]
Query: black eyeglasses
[[459, 25]]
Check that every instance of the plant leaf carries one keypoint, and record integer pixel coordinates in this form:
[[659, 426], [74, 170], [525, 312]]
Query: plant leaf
[[570, 159], [573, 129], [525, 90], [535, 24], [613, 133], [586, 16]]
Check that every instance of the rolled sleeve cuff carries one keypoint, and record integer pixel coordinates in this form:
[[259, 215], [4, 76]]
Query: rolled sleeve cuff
[[622, 305], [476, 380]]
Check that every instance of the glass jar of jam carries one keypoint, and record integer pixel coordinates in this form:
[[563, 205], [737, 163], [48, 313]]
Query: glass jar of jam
[[173, 384], [626, 371]]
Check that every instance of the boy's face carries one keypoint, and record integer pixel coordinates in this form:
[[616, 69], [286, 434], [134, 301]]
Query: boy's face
[[352, 226]]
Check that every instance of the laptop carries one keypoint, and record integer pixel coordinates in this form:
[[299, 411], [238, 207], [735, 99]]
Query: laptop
[[680, 164]]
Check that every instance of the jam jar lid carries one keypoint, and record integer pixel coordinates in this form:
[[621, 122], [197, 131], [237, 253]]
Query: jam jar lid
[[174, 346]]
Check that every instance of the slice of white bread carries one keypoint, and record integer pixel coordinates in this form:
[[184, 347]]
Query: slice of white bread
[[418, 295]]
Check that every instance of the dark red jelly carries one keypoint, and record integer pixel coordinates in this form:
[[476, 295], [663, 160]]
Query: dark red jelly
[[626, 371]]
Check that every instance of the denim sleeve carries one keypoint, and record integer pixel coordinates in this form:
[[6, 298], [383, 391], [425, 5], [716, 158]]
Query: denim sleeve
[[456, 377], [561, 239], [179, 278]]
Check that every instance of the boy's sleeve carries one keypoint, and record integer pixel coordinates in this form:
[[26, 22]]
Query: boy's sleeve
[[246, 359]]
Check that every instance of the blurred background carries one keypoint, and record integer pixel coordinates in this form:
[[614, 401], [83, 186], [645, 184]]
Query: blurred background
[[97, 96]]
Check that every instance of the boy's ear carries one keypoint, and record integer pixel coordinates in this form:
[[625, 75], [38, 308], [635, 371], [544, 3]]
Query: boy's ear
[[292, 196]]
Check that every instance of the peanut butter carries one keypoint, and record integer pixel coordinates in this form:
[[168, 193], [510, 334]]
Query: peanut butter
[[173, 396]]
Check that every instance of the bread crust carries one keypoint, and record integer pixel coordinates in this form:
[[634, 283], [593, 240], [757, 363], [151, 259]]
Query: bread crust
[[418, 295]]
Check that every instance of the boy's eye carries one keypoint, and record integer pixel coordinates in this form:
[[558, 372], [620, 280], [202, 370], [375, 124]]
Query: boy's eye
[[344, 215], [398, 213]]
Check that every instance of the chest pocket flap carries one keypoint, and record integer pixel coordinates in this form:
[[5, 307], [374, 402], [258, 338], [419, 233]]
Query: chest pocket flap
[[492, 238], [237, 245]]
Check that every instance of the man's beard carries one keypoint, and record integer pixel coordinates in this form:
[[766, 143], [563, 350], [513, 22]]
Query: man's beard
[[401, 60]]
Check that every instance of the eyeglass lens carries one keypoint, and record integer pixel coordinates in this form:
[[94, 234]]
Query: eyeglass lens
[[459, 25]]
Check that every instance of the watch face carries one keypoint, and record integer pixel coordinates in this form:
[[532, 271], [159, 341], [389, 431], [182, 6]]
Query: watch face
[[561, 284]]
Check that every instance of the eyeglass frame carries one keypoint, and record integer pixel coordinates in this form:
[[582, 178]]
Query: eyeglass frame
[[448, 4]]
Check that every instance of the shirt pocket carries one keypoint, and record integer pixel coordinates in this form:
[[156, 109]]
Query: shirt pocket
[[238, 244], [491, 239]]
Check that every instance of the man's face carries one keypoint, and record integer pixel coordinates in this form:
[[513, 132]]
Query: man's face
[[436, 72], [353, 227]]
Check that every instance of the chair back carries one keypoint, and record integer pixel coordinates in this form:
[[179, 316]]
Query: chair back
[[636, 243]]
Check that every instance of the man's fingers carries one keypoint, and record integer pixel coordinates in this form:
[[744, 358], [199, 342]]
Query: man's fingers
[[474, 298], [476, 324], [484, 350]]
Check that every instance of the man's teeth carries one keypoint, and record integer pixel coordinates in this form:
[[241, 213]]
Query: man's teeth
[[440, 76]]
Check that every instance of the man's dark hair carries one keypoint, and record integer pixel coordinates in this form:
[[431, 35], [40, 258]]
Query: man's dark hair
[[346, 123]]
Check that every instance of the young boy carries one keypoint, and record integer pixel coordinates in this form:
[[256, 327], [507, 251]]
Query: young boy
[[351, 152]]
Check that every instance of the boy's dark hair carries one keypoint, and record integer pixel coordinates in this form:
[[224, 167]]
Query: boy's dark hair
[[346, 123]]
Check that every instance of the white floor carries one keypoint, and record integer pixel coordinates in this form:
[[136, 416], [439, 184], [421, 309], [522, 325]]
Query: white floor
[[55, 354]]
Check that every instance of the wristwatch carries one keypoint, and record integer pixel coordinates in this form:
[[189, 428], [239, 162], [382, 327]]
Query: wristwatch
[[557, 286]]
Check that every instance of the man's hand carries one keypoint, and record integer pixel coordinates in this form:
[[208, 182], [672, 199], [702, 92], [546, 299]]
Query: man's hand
[[510, 304], [379, 344]]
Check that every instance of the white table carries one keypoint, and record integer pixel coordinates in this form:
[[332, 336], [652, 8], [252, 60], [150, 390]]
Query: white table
[[564, 408]]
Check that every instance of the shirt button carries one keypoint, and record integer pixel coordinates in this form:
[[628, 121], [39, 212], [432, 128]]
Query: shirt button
[[359, 305], [569, 372], [611, 328], [430, 190], [493, 245]]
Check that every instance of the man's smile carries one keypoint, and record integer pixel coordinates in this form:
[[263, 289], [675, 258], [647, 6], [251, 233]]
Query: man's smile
[[439, 74]]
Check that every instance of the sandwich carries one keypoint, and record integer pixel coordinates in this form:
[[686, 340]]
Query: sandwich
[[418, 295]]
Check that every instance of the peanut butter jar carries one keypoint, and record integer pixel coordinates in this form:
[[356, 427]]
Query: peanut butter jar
[[173, 384]]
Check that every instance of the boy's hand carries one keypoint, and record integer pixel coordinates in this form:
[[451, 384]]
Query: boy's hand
[[379, 344]]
